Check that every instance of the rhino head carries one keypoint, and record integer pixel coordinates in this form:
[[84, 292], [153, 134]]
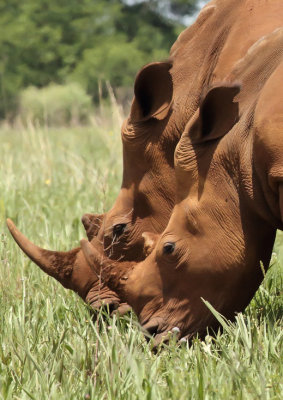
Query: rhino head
[[229, 174], [143, 203]]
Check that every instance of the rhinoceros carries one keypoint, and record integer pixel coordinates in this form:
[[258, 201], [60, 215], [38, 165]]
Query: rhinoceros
[[164, 101], [167, 96], [229, 173], [144, 202]]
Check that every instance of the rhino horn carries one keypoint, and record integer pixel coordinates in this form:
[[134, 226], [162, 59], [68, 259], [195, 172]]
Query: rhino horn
[[57, 264], [112, 273], [71, 269], [92, 224]]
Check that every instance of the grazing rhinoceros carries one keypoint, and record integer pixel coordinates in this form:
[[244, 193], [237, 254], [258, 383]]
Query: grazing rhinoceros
[[166, 97], [229, 172], [144, 202]]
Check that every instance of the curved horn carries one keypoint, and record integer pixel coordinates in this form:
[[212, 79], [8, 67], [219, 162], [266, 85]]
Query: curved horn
[[92, 224], [70, 268], [113, 273], [57, 264]]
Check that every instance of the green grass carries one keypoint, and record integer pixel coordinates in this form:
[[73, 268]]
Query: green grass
[[49, 346]]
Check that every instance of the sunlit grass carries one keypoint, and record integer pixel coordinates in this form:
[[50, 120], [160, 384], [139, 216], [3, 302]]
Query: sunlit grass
[[50, 348]]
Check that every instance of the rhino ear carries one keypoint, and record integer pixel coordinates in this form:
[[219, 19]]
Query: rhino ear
[[150, 240], [218, 113], [153, 92]]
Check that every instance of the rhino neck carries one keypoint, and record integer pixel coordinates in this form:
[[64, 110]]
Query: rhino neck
[[201, 58]]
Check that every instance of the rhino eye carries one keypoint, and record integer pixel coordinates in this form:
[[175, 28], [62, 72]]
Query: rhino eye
[[119, 229], [168, 248]]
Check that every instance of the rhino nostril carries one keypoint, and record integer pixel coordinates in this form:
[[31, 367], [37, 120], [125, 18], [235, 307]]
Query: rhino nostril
[[153, 327], [107, 305], [110, 307], [153, 330]]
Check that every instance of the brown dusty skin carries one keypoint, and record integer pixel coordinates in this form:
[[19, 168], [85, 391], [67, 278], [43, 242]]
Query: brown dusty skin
[[203, 56], [221, 181], [229, 174]]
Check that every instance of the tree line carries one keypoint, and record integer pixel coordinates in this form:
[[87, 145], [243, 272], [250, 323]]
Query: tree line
[[86, 41]]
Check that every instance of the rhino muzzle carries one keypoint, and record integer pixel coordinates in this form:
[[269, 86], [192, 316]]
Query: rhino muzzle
[[72, 270]]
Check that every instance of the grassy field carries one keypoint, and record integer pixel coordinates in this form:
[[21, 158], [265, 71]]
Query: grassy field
[[49, 346]]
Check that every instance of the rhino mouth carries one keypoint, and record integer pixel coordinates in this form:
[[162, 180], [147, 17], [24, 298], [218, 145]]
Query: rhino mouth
[[151, 328], [157, 331], [106, 305]]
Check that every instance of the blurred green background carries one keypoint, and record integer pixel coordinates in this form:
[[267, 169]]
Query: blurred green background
[[66, 75], [89, 43]]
